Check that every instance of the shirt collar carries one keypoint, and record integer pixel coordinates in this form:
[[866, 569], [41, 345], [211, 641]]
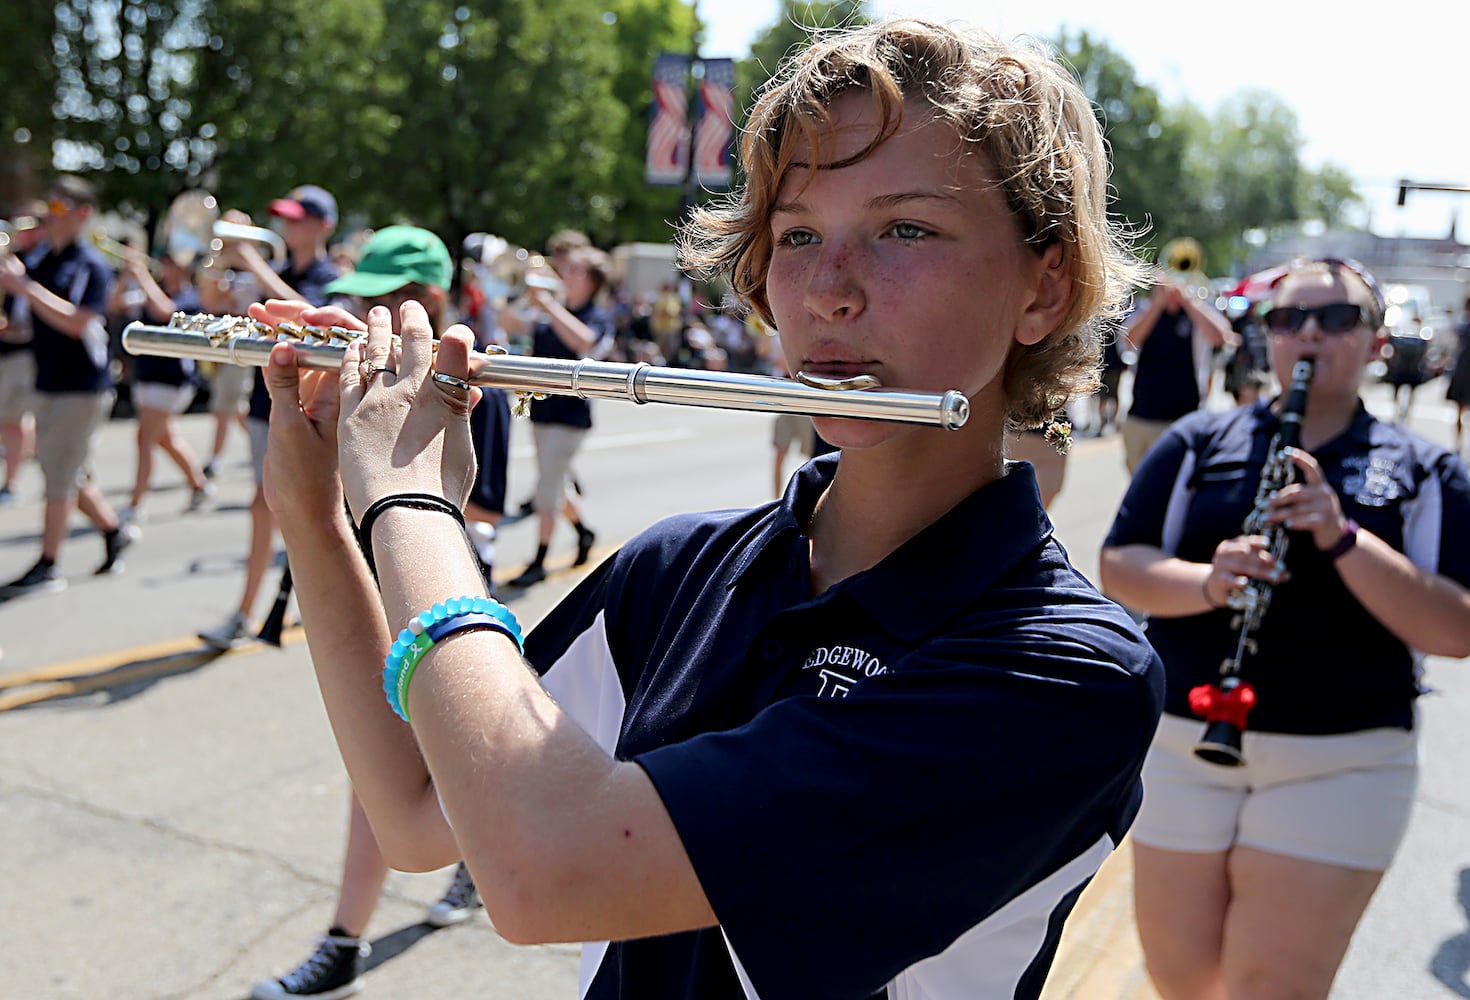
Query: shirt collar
[[938, 572]]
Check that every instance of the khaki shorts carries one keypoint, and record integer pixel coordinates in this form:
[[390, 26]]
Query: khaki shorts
[[1138, 437], [556, 444], [17, 386], [66, 428], [792, 430], [173, 399], [260, 432], [229, 389], [1340, 800]]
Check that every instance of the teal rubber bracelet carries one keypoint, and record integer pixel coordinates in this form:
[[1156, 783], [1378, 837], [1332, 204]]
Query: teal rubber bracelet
[[439, 622]]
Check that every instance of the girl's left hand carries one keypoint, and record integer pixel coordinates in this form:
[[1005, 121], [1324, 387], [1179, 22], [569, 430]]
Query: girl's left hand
[[1310, 505], [400, 430]]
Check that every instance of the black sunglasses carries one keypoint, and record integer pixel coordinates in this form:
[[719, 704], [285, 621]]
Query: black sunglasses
[[1335, 317]]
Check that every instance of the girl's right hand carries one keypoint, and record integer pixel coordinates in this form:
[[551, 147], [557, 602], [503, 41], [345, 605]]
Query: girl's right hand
[[1236, 562]]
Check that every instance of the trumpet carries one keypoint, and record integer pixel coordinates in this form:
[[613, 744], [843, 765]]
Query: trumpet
[[239, 340]]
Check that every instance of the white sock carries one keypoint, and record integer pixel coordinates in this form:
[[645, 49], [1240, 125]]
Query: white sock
[[482, 536]]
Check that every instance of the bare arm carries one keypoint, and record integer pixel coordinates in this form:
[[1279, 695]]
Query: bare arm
[[564, 842], [571, 331], [1425, 610], [346, 629], [56, 312], [1210, 321]]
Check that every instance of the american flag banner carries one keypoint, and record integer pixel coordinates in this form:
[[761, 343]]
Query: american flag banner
[[666, 162], [714, 129]]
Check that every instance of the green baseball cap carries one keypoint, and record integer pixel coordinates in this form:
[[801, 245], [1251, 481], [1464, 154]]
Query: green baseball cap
[[394, 257]]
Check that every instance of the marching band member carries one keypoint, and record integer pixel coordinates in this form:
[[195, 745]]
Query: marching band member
[[876, 734], [1249, 881]]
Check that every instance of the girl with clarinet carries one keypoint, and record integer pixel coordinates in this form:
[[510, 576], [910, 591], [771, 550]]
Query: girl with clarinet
[[1249, 880]]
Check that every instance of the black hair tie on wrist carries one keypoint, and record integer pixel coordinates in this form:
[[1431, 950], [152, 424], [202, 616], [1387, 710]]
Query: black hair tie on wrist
[[417, 501]]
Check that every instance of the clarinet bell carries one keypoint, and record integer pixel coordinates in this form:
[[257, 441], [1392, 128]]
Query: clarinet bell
[[1220, 745]]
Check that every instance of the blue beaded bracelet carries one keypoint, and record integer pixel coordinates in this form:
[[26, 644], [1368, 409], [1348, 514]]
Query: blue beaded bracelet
[[430, 626]]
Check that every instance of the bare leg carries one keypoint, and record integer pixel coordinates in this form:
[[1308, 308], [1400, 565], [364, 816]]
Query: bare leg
[[94, 505], [1290, 923], [363, 873], [53, 529], [262, 538], [150, 429], [178, 449], [19, 441], [1181, 901], [779, 482]]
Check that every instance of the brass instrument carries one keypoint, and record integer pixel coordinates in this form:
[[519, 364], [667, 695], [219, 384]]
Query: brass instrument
[[193, 225], [120, 240], [241, 341], [1182, 260], [1226, 705], [507, 271]]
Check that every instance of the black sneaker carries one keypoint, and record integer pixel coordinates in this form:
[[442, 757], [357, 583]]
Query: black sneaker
[[460, 901], [585, 538], [41, 578], [234, 632], [328, 974], [114, 542], [533, 573]]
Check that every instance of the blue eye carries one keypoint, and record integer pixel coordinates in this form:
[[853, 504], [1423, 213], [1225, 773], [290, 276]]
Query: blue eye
[[795, 238], [910, 231]]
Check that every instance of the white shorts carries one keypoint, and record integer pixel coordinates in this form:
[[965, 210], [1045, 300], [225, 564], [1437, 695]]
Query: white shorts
[[1340, 800], [173, 399]]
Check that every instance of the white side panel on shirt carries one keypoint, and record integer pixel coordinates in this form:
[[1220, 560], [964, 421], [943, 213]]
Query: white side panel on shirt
[[987, 961], [584, 682]]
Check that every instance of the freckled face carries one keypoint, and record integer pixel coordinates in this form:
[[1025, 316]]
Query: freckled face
[[906, 265]]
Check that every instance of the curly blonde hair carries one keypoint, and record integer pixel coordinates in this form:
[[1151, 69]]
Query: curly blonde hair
[[1014, 103]]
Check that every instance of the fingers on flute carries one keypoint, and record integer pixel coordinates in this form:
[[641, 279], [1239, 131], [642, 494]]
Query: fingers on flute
[[282, 379], [379, 347], [454, 351], [417, 341]]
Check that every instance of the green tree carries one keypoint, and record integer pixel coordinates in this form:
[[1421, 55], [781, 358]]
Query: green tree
[[642, 28], [294, 94], [789, 33], [124, 97], [506, 120], [28, 81]]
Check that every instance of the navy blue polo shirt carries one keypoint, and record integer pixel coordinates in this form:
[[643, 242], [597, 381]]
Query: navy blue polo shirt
[[1323, 664], [570, 411], [80, 275], [1165, 386], [933, 756], [311, 281], [155, 370]]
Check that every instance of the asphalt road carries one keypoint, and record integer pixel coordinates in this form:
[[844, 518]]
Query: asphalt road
[[174, 820]]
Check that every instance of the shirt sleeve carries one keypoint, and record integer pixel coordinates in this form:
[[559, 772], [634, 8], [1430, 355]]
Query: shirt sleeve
[[1141, 516], [1454, 553], [841, 840]]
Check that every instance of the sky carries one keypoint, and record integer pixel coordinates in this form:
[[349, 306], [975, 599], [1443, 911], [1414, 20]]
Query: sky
[[1383, 92]]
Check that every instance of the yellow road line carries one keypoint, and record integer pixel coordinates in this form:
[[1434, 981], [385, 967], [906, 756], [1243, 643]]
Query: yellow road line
[[105, 670]]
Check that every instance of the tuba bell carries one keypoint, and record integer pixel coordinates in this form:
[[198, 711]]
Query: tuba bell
[[1182, 260]]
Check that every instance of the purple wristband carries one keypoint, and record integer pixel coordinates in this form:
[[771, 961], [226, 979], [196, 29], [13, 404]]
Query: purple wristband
[[1348, 540]]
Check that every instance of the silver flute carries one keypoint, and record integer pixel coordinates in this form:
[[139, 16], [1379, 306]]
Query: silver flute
[[238, 340]]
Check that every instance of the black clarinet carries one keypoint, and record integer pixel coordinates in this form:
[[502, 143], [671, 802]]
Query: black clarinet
[[270, 631], [1226, 705]]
